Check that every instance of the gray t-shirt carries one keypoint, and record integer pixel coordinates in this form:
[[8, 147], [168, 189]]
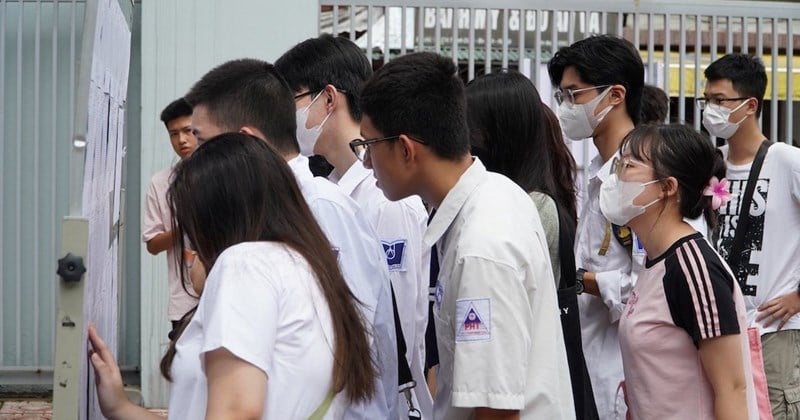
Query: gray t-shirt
[[548, 213]]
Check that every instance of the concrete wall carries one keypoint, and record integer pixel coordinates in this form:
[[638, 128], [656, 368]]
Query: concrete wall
[[182, 40]]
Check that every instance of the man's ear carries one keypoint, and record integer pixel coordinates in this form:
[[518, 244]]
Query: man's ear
[[247, 129], [617, 94], [752, 106], [331, 97], [410, 148]]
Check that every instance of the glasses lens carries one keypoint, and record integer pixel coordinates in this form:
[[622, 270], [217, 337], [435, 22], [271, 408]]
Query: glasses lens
[[701, 103]]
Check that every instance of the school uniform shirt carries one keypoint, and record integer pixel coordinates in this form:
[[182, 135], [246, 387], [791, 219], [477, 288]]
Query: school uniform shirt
[[400, 226], [681, 298], [768, 267], [262, 302], [497, 319], [598, 250], [157, 219], [362, 261]]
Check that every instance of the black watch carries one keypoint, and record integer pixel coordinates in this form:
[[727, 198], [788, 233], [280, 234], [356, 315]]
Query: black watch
[[579, 288]]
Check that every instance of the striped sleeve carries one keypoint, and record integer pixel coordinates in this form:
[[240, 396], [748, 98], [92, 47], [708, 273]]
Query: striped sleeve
[[699, 292]]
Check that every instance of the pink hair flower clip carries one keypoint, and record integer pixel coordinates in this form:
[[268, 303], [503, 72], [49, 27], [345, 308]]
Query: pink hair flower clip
[[718, 191]]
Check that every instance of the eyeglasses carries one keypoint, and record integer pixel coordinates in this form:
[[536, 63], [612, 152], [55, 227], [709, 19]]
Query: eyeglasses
[[568, 95], [620, 164], [703, 102], [361, 147], [311, 92]]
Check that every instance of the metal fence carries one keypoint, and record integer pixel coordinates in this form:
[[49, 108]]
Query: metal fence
[[677, 39]]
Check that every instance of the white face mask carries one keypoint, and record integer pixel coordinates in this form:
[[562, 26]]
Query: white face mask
[[579, 120], [616, 199], [715, 120], [307, 137]]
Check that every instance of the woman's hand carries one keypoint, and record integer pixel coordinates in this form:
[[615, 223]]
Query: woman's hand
[[107, 378]]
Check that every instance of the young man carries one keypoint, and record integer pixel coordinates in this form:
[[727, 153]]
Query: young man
[[249, 96], [768, 270], [655, 105], [598, 84], [501, 350], [326, 74], [157, 225]]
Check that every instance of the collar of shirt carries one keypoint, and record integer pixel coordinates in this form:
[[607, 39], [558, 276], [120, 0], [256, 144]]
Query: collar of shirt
[[351, 179], [299, 166], [453, 201], [599, 169]]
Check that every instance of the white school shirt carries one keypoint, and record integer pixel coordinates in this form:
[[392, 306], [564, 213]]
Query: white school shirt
[[772, 244], [616, 274], [362, 261], [262, 303], [400, 226], [158, 219], [498, 326]]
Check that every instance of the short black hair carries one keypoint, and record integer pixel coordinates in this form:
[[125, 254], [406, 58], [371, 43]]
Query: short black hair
[[317, 62], [420, 94], [176, 109], [249, 92], [746, 73], [604, 60], [655, 105]]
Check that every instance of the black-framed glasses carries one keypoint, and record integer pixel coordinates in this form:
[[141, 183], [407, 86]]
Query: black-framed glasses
[[311, 92], [361, 147], [703, 102], [568, 95]]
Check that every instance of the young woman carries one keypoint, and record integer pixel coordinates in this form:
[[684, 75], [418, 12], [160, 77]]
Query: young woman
[[277, 334], [683, 332], [513, 133]]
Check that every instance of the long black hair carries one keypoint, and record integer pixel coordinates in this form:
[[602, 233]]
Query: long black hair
[[236, 188], [515, 134]]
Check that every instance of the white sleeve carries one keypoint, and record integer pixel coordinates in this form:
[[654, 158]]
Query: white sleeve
[[241, 310], [152, 223], [615, 286]]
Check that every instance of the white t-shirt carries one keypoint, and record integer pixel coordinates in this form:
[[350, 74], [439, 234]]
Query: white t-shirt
[[400, 226], [772, 245], [158, 219], [498, 326], [262, 303]]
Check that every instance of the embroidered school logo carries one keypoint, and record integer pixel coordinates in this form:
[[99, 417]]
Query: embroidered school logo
[[394, 254], [475, 316]]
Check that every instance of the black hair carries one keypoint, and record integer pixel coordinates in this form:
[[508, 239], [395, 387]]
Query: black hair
[[678, 151], [746, 73], [655, 105], [515, 134], [236, 188], [249, 92], [421, 95], [176, 109], [604, 60], [317, 62]]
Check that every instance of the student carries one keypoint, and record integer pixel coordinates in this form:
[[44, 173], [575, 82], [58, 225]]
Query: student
[[249, 96], [766, 267], [655, 105], [683, 332], [598, 84], [157, 224], [515, 134], [277, 333], [501, 351], [325, 75]]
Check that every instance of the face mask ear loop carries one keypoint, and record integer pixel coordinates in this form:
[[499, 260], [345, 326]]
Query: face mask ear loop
[[308, 107], [736, 109]]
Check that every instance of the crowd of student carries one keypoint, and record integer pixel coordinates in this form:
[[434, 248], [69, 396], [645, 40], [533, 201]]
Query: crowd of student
[[442, 268]]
